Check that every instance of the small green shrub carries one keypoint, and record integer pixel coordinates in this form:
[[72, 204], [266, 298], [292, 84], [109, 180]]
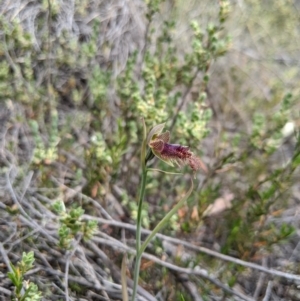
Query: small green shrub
[[24, 290]]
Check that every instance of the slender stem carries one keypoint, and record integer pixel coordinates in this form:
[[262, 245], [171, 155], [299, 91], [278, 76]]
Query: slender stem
[[165, 172], [139, 216], [138, 236]]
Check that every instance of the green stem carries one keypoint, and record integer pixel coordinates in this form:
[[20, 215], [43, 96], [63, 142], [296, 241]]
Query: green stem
[[138, 236], [139, 217]]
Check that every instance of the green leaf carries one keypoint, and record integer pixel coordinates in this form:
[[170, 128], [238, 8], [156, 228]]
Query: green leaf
[[12, 277]]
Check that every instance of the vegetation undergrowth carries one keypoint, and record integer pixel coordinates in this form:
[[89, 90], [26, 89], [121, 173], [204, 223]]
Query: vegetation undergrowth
[[24, 290], [74, 84]]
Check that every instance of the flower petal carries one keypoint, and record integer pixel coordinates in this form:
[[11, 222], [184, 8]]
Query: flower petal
[[165, 137], [155, 131], [157, 145], [196, 163], [163, 158]]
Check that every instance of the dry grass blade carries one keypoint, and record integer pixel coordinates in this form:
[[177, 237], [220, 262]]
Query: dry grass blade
[[124, 278]]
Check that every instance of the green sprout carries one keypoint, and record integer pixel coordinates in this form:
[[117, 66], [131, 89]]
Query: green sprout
[[71, 224], [24, 290]]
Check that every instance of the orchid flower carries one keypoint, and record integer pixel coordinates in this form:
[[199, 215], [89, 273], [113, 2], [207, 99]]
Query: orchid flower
[[159, 145], [172, 153]]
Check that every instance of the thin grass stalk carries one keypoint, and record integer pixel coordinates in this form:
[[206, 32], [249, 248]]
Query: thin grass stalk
[[139, 215]]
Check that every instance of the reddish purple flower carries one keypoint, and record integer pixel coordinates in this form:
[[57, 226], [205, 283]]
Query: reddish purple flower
[[174, 153]]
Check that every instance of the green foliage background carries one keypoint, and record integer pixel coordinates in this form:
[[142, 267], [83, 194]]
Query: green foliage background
[[75, 79]]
